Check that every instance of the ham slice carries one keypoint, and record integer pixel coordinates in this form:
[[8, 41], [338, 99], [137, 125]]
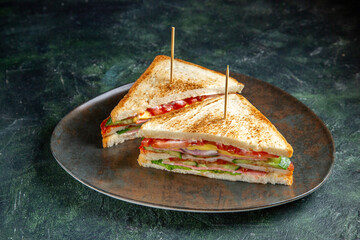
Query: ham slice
[[247, 171]]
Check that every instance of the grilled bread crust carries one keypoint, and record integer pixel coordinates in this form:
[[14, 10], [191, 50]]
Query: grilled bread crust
[[153, 88], [245, 127], [115, 139]]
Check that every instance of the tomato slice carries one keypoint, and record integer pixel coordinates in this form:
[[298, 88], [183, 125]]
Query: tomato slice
[[231, 149], [243, 152], [158, 110], [103, 125], [167, 107], [146, 142], [155, 111], [190, 100], [200, 98], [179, 104], [105, 129]]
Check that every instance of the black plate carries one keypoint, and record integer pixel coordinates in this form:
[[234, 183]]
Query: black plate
[[76, 145]]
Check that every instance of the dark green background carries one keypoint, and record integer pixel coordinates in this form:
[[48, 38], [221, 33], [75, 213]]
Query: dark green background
[[55, 55]]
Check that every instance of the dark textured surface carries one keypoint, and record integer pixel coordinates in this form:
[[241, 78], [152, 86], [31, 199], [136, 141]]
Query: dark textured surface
[[56, 55], [76, 145]]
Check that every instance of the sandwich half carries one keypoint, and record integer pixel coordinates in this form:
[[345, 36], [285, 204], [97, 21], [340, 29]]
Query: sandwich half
[[245, 146], [153, 94]]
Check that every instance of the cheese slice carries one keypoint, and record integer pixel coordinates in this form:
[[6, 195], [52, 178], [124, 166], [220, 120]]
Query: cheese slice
[[207, 147], [145, 115]]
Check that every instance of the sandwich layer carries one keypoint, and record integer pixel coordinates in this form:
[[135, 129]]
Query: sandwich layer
[[188, 159], [115, 139], [153, 88], [153, 94], [206, 158], [245, 127], [132, 124], [244, 175]]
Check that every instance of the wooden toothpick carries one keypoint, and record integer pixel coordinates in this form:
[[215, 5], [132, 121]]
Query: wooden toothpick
[[226, 92], [172, 53]]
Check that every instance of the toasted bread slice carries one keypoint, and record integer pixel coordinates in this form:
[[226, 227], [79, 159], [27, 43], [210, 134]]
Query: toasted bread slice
[[153, 88], [245, 126], [115, 139]]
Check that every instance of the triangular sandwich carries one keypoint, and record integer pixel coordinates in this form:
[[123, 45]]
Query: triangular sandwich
[[198, 140], [153, 94]]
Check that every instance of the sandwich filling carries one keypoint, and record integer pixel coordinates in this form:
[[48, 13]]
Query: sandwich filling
[[207, 156], [133, 123]]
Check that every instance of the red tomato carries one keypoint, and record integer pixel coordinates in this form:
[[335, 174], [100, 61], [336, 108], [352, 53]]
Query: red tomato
[[243, 152], [231, 149], [208, 142], [179, 104], [155, 111], [166, 108], [169, 143], [219, 161], [209, 96], [199, 98], [190, 100], [146, 142], [103, 127]]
